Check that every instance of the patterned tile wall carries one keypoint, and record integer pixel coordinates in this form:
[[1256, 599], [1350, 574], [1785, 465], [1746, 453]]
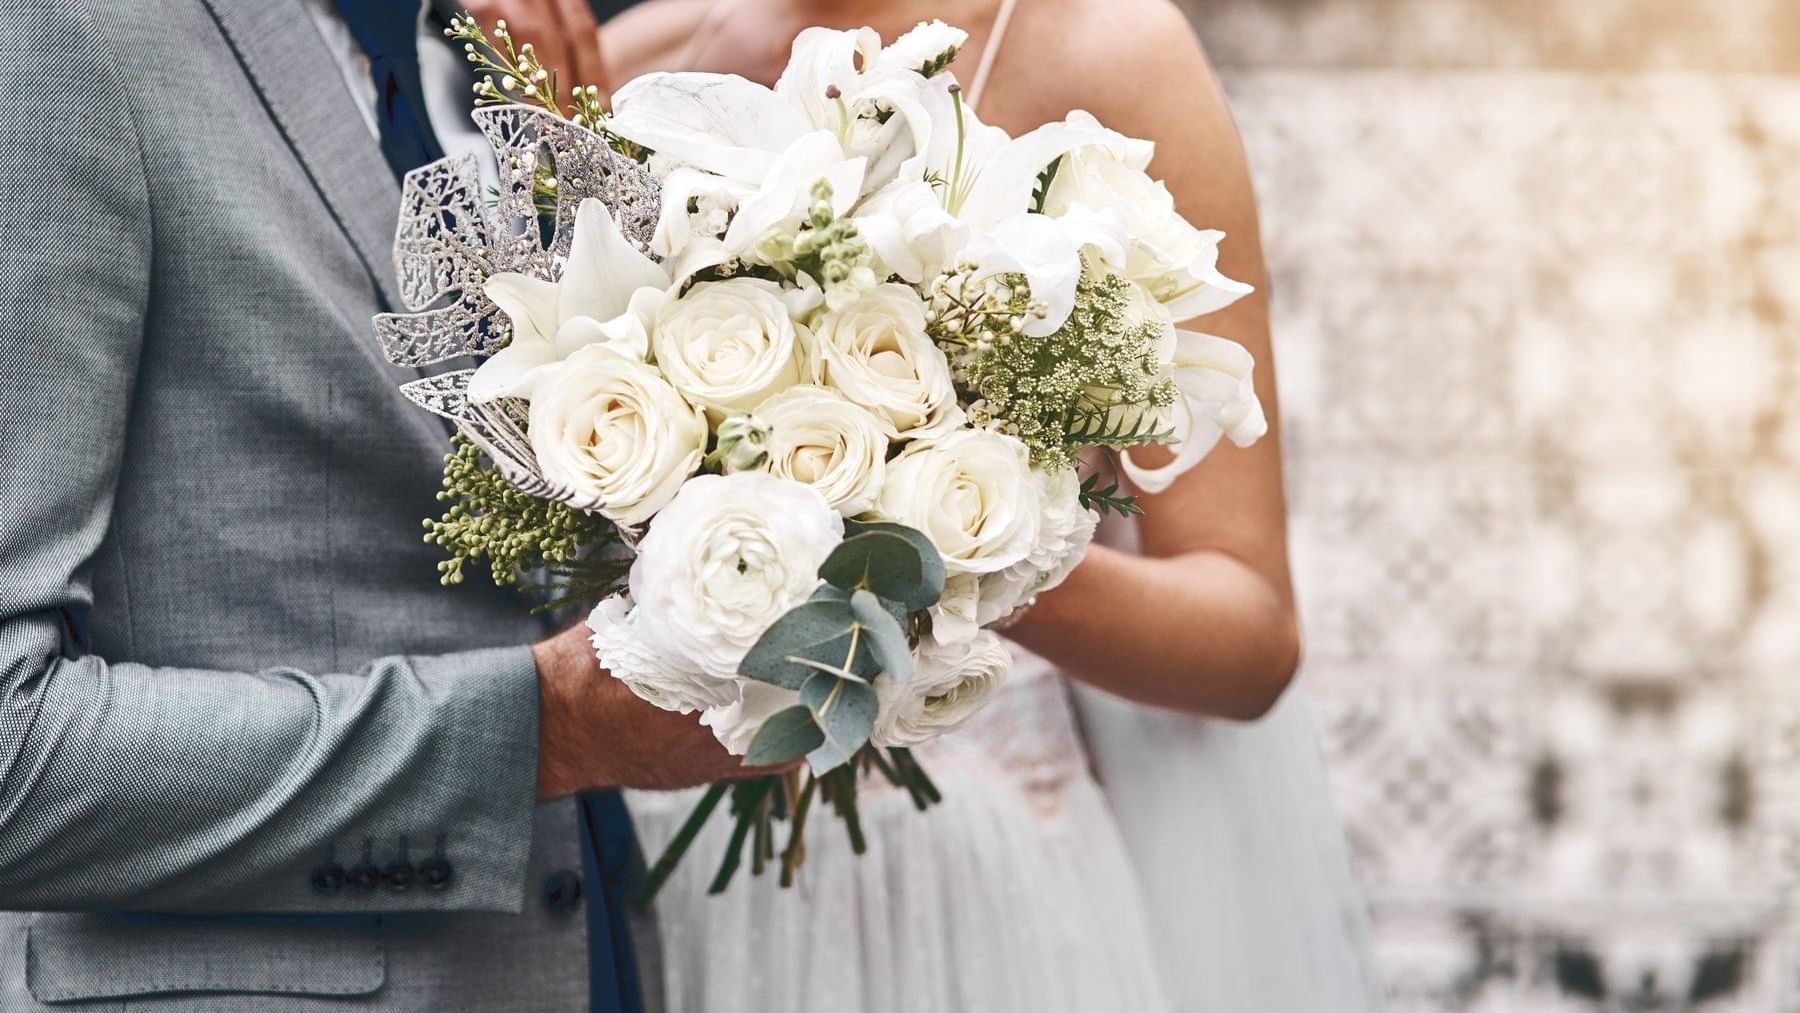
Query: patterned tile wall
[[1537, 280]]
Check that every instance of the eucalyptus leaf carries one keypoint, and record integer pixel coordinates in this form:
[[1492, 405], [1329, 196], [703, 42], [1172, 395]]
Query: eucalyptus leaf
[[787, 735], [932, 569], [889, 563], [844, 711], [885, 635], [823, 630]]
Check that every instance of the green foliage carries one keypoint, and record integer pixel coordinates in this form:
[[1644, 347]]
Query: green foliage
[[843, 710], [787, 735], [832, 646], [1095, 382], [892, 560], [1040, 190], [489, 518], [1108, 499], [937, 64]]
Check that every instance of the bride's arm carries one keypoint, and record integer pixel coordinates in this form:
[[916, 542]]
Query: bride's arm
[[1204, 619]]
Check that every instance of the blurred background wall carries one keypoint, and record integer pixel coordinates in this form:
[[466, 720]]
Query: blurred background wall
[[1537, 305]]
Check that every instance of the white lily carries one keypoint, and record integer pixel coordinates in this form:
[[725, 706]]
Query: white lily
[[1176, 262], [909, 232], [985, 180], [606, 290], [843, 82], [1216, 396]]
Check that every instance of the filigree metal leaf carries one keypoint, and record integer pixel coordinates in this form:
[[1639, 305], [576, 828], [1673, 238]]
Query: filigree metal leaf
[[450, 242]]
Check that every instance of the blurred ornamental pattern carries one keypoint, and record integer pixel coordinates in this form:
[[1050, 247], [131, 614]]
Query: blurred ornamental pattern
[[1537, 306]]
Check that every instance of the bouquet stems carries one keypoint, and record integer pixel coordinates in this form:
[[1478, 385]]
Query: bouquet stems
[[761, 801]]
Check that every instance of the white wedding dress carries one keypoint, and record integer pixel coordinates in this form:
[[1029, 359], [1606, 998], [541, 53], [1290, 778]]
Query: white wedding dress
[[1210, 875], [1221, 886]]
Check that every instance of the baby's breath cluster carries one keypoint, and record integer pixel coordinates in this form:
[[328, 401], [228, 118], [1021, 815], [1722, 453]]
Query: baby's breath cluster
[[970, 313], [489, 518], [513, 73], [1095, 382]]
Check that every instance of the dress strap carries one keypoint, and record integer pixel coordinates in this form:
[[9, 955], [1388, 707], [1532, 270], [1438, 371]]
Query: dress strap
[[989, 51]]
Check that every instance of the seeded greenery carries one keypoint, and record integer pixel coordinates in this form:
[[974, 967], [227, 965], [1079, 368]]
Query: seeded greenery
[[1095, 382], [489, 518]]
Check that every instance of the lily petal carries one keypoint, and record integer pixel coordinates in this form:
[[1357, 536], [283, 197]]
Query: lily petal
[[1039, 248], [512, 371], [530, 303], [826, 58], [718, 122], [603, 268], [1218, 398]]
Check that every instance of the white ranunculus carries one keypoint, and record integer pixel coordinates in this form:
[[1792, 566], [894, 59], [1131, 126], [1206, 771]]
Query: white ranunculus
[[875, 352], [735, 725], [972, 493], [729, 344], [1177, 262], [729, 556], [614, 432], [661, 680], [818, 437], [600, 299], [949, 684]]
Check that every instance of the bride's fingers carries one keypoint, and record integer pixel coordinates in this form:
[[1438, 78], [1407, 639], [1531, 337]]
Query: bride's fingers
[[582, 34]]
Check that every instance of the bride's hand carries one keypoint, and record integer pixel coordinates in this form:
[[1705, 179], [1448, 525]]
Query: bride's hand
[[564, 33]]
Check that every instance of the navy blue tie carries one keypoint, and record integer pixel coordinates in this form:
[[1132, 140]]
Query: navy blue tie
[[388, 32]]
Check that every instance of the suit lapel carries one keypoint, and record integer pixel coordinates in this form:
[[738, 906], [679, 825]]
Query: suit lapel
[[297, 79]]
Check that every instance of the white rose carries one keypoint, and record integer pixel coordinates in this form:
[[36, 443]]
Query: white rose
[[661, 680], [1177, 262], [613, 431], [972, 494], [820, 438], [1065, 528], [735, 725], [877, 353], [729, 556], [728, 344], [949, 684]]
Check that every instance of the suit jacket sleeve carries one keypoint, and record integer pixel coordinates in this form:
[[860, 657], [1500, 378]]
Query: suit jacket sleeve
[[124, 786]]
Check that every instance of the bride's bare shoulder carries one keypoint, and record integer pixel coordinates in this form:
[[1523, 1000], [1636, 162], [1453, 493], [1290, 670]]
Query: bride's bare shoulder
[[1126, 61], [1136, 65]]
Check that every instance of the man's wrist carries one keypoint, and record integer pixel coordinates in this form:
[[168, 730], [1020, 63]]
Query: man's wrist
[[564, 765]]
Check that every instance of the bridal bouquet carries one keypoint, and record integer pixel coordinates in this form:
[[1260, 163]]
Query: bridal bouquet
[[796, 383]]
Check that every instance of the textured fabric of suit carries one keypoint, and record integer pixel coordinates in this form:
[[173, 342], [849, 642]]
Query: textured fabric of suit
[[225, 661]]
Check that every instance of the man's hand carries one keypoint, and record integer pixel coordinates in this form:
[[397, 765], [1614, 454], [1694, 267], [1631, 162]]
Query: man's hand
[[564, 33], [594, 733]]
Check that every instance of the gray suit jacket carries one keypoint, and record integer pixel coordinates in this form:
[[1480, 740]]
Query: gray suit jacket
[[225, 662]]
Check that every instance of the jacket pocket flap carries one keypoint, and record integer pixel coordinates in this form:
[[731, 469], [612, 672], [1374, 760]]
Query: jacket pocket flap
[[79, 957]]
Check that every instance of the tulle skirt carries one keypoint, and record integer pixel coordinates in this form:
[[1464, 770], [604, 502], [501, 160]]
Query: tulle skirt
[[1012, 896]]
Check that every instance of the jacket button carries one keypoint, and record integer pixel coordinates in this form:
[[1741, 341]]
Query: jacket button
[[362, 878], [436, 873], [328, 878], [398, 876], [562, 891]]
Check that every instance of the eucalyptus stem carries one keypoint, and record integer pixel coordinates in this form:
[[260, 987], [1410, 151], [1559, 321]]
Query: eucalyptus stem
[[678, 845], [746, 798], [795, 852]]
